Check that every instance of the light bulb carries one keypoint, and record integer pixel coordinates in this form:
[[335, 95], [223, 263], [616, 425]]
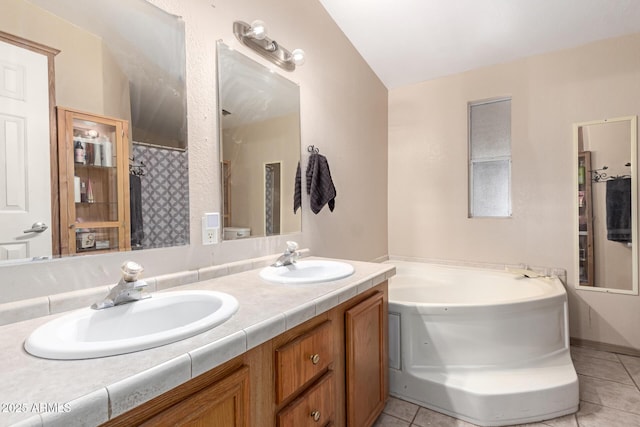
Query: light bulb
[[258, 30], [297, 56]]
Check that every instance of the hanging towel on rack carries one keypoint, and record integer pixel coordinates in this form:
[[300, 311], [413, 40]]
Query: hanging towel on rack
[[297, 191], [135, 206], [618, 201], [319, 183]]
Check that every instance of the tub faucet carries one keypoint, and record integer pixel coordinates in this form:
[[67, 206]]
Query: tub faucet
[[526, 272], [289, 256], [128, 289]]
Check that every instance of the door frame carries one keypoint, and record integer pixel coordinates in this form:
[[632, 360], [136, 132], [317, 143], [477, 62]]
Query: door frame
[[50, 53]]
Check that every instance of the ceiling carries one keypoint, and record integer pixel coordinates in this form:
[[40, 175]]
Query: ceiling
[[409, 41]]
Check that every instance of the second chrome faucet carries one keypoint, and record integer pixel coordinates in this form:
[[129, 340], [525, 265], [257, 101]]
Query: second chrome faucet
[[289, 257]]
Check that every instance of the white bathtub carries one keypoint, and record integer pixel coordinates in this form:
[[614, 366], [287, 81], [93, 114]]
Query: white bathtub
[[486, 346]]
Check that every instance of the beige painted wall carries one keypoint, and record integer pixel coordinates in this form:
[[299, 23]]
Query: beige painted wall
[[271, 141], [343, 112], [87, 77], [428, 168]]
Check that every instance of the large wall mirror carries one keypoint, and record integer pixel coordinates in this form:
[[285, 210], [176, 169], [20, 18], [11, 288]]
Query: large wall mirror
[[606, 239], [123, 59], [260, 147]]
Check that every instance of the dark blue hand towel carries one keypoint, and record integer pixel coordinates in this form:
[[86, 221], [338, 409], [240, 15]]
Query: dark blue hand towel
[[618, 203], [135, 210], [319, 183], [297, 191]]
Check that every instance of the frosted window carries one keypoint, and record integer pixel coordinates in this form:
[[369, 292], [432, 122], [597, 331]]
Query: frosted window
[[490, 159], [490, 129], [491, 188]]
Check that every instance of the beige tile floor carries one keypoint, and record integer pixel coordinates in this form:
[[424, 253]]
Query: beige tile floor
[[609, 397]]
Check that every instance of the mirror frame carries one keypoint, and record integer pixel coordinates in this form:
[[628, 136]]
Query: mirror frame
[[633, 123]]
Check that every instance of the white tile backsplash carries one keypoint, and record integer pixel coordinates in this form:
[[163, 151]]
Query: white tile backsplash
[[23, 310], [167, 281], [76, 299], [17, 311]]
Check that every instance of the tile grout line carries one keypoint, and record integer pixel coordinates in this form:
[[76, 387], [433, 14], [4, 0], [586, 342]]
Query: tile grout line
[[411, 424], [612, 381], [628, 373], [393, 416], [609, 407]]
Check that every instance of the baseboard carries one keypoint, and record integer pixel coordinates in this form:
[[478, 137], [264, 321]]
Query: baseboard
[[612, 348]]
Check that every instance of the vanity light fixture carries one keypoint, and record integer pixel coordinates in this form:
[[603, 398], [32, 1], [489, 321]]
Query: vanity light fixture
[[255, 37], [257, 30]]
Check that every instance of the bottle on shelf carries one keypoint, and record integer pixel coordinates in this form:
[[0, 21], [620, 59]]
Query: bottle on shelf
[[83, 192], [76, 189], [581, 172], [97, 153], [88, 153], [78, 151], [107, 152], [90, 198]]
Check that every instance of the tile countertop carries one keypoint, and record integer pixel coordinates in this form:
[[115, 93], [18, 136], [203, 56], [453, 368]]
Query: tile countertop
[[35, 392]]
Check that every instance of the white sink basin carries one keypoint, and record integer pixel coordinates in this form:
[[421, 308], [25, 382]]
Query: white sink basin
[[307, 271], [164, 318]]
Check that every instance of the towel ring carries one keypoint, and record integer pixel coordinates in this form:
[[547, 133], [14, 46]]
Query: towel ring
[[313, 149]]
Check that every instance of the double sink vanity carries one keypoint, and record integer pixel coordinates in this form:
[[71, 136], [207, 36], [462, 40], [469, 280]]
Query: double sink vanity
[[296, 345]]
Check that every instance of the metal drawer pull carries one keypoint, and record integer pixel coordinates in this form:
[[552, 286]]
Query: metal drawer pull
[[315, 415], [315, 358]]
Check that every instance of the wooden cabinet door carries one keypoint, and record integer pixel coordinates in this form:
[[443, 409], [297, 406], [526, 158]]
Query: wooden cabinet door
[[93, 183], [223, 404], [366, 360]]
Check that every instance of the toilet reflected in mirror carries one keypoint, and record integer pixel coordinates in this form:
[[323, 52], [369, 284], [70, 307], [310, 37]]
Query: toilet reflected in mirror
[[234, 233]]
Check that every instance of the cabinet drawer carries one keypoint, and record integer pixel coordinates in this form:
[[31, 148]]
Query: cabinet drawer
[[314, 408], [303, 359]]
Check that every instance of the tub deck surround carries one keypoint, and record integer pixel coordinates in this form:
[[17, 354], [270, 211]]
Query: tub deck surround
[[106, 387], [486, 346]]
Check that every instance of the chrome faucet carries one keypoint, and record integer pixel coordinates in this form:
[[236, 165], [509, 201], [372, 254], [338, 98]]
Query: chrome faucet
[[128, 289], [289, 256]]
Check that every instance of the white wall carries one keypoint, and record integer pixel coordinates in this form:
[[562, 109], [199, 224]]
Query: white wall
[[343, 113], [428, 168]]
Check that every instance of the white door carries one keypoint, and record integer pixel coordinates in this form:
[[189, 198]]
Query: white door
[[25, 188]]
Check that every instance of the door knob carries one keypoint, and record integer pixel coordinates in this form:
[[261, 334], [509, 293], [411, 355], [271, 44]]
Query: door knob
[[37, 227]]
